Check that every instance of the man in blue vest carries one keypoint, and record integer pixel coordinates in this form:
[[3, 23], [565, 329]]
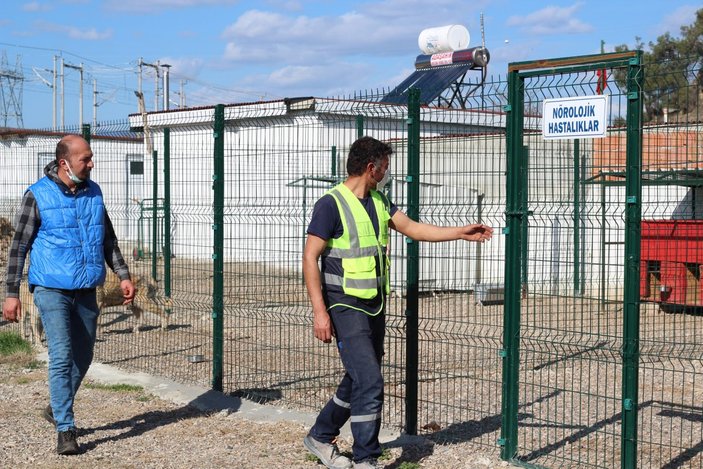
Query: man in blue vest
[[63, 225], [349, 233]]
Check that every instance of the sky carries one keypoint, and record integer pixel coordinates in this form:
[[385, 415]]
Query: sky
[[232, 51]]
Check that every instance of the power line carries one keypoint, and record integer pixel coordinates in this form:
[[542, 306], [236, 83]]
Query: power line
[[119, 81]]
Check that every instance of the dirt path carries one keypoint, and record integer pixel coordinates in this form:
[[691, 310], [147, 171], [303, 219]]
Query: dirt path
[[136, 429]]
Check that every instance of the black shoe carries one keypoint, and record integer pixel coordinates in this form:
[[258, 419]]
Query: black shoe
[[48, 415], [67, 443]]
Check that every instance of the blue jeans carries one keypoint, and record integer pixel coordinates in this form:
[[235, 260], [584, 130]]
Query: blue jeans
[[70, 319], [359, 395]]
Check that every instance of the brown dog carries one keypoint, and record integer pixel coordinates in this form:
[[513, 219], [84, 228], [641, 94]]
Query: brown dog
[[147, 298], [32, 327], [109, 294]]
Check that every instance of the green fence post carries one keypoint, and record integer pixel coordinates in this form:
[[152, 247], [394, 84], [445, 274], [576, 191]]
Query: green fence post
[[85, 132], [360, 126], [631, 298], [513, 265], [154, 215], [218, 187], [524, 246], [413, 265], [603, 253], [577, 218], [167, 213], [334, 161]]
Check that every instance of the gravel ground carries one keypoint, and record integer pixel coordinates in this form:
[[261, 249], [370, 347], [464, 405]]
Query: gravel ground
[[136, 428]]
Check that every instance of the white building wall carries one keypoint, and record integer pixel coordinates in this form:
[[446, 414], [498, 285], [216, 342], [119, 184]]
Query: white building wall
[[278, 163]]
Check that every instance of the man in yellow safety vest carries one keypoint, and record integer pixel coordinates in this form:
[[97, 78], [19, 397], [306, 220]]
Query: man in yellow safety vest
[[349, 232]]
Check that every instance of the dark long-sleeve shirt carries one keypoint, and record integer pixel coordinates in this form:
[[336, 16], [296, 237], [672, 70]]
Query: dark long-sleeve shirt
[[27, 225]]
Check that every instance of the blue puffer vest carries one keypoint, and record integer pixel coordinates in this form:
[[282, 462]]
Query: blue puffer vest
[[67, 252]]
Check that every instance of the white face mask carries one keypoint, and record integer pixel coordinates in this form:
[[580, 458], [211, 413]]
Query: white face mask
[[71, 175], [384, 180]]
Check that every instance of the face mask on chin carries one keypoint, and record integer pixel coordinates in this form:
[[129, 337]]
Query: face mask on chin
[[75, 179]]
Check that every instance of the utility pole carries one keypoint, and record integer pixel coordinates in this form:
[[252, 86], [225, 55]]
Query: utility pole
[[139, 77], [63, 92], [156, 81], [54, 95], [80, 92], [156, 86], [182, 95], [95, 103], [167, 86]]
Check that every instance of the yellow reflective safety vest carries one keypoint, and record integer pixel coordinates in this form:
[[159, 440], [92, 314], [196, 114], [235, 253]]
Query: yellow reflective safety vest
[[359, 255]]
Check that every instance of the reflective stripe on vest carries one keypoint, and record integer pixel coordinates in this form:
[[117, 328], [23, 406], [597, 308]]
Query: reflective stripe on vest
[[359, 248]]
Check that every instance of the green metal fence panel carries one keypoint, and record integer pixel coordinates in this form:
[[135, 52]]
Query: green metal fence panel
[[174, 216], [277, 164], [278, 158], [460, 284], [670, 430], [612, 255]]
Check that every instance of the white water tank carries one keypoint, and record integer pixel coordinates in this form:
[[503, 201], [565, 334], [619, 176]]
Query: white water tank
[[443, 39]]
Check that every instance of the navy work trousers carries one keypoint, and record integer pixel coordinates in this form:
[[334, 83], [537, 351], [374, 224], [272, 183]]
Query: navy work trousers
[[360, 393]]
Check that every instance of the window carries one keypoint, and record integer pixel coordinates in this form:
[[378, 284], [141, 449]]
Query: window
[[136, 167]]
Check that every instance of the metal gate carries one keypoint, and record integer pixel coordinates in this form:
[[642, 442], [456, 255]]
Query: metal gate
[[571, 336]]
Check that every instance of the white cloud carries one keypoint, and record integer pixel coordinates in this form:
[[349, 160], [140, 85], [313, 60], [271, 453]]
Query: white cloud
[[89, 34], [256, 54], [425, 13], [289, 5], [312, 80], [206, 95], [295, 76], [380, 29], [156, 6], [300, 38], [333, 54], [35, 7], [256, 23], [188, 67], [671, 23], [551, 20]]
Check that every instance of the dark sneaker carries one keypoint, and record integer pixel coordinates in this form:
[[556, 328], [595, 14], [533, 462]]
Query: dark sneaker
[[48, 415], [327, 453], [67, 443]]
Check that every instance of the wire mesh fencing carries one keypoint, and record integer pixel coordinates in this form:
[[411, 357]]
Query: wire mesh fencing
[[211, 208], [609, 279], [279, 158]]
